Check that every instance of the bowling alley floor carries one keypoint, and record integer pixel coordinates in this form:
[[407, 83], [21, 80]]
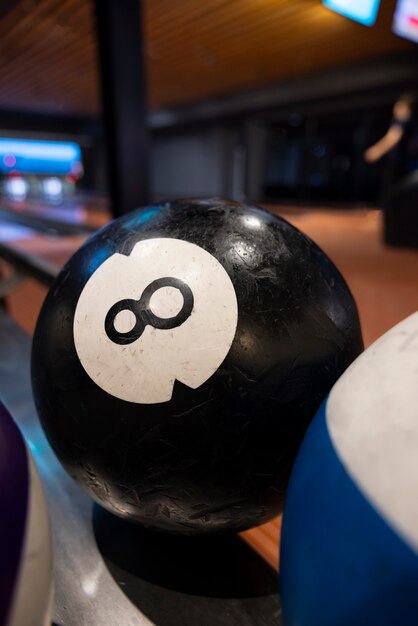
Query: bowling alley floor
[[383, 280]]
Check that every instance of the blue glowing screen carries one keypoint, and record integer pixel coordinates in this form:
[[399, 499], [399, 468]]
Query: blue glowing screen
[[39, 157], [405, 20], [363, 11]]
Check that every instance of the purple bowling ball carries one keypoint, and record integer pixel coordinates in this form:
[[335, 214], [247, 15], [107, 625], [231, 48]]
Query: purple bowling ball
[[25, 540]]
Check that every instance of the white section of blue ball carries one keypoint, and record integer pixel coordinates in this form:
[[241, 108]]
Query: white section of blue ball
[[372, 418]]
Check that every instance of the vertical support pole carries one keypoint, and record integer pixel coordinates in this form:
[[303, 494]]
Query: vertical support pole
[[122, 71], [256, 138]]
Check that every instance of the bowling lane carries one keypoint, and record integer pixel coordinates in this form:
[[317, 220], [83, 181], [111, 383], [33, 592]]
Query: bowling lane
[[88, 211], [24, 303]]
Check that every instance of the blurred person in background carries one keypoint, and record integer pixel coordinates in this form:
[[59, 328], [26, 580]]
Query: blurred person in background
[[397, 139], [400, 187]]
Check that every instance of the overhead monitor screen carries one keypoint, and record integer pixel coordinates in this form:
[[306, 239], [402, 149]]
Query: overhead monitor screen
[[30, 156], [363, 11], [405, 20]]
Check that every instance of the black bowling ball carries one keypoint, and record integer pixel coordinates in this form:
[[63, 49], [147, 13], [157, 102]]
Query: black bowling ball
[[180, 357]]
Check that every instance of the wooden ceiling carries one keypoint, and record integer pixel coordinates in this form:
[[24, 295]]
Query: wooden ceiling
[[195, 49]]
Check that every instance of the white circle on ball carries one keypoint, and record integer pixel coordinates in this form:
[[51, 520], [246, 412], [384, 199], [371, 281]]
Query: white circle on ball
[[166, 302], [124, 321], [144, 369]]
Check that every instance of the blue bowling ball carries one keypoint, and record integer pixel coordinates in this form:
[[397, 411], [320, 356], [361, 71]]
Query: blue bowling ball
[[25, 540], [349, 549]]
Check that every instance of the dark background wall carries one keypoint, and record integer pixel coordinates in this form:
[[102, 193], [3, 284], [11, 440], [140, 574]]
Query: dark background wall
[[300, 140]]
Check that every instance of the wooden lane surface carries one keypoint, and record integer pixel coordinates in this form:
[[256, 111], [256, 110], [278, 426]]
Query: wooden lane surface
[[81, 210], [383, 281]]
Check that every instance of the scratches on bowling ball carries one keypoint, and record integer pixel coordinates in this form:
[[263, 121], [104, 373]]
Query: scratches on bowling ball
[[130, 496], [98, 486], [218, 209], [148, 435], [194, 408], [265, 272], [244, 375], [204, 510]]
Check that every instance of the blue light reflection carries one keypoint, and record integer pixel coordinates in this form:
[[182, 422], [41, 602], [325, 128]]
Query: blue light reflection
[[39, 157], [141, 217]]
